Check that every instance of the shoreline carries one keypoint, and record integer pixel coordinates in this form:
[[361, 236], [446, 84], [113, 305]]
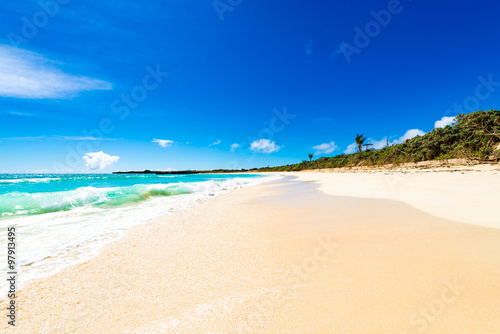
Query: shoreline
[[109, 225], [455, 165], [466, 194], [424, 166], [364, 265]]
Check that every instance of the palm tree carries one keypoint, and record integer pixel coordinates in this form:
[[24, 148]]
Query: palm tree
[[310, 156], [360, 141]]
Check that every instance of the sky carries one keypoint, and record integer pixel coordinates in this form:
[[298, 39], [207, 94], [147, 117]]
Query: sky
[[102, 86]]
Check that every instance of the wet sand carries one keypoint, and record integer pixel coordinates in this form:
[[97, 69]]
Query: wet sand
[[461, 194], [281, 257]]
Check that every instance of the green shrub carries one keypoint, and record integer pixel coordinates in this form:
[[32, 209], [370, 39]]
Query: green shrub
[[473, 136]]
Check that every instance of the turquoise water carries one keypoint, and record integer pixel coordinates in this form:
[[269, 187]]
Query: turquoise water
[[65, 219], [31, 194]]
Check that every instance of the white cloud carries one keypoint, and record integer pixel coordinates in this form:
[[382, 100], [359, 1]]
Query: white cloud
[[377, 145], [351, 148], [163, 142], [98, 160], [325, 148], [234, 147], [443, 122], [217, 142], [409, 135], [28, 75], [264, 146]]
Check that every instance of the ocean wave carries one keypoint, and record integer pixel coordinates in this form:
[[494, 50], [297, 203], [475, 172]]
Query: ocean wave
[[22, 203], [29, 180], [79, 222]]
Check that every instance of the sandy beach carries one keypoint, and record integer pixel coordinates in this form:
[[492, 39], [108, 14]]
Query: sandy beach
[[249, 167], [365, 252]]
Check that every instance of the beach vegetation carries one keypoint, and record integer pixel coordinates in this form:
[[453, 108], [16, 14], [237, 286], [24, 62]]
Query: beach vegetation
[[474, 137]]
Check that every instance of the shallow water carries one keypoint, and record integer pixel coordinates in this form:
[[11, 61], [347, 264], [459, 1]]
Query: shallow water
[[65, 219]]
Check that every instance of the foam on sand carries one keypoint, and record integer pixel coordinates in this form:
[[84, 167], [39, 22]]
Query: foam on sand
[[281, 258], [57, 229]]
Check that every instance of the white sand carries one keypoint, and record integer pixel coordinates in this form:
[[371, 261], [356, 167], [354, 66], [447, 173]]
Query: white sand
[[286, 258], [466, 197]]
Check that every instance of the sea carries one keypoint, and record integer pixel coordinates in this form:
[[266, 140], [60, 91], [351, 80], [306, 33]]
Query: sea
[[64, 219]]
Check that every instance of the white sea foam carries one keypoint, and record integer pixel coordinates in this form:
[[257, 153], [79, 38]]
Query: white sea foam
[[29, 180], [49, 242]]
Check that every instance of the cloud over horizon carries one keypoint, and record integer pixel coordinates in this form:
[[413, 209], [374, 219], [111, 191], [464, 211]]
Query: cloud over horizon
[[409, 135], [28, 75], [325, 148], [352, 148], [443, 122], [378, 144], [98, 160]]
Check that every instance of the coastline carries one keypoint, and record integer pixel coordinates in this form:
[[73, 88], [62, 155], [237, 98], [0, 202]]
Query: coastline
[[282, 256], [82, 220], [466, 194]]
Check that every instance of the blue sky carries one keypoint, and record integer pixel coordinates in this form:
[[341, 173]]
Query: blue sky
[[99, 86]]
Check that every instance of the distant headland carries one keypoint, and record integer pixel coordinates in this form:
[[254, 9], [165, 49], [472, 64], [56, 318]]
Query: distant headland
[[215, 171]]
